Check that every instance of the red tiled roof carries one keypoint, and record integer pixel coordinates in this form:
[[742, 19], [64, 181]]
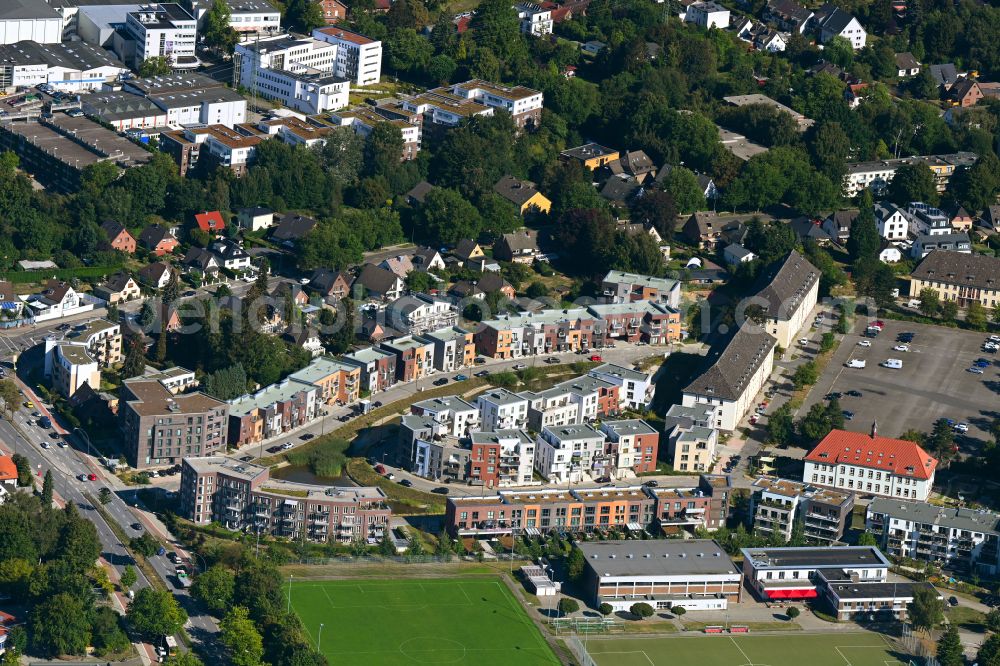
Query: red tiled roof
[[210, 222], [462, 24], [883, 453], [8, 470]]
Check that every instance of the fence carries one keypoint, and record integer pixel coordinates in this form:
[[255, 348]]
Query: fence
[[579, 651], [586, 625]]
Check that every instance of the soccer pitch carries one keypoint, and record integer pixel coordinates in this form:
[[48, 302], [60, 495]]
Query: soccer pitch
[[435, 621], [839, 649]]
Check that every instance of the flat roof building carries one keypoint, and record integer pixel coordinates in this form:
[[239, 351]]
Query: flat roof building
[[790, 573], [694, 573]]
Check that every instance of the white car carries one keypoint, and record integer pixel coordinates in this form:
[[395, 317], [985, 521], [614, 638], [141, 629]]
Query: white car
[[974, 370], [961, 427], [803, 342], [893, 364], [856, 363], [995, 338], [902, 348], [864, 343]]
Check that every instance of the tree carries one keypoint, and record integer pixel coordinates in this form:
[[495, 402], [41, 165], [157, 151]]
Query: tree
[[926, 611], [949, 310], [792, 613], [930, 302], [214, 588], [104, 496], [246, 647], [993, 620], [949, 648], [655, 208], [975, 316], [839, 51], [864, 241], [304, 15], [942, 440], [144, 544], [448, 217], [78, 544], [913, 182], [641, 610], [147, 315], [867, 539], [108, 637], [989, 651], [217, 31], [48, 488], [678, 611], [24, 475], [60, 626], [172, 290], [10, 395], [129, 577], [683, 186], [498, 30], [155, 66], [383, 149], [815, 425], [155, 613], [185, 659], [568, 606], [575, 564], [780, 428], [805, 375], [606, 609]]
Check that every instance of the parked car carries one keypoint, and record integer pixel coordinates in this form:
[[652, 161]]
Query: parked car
[[953, 601], [835, 395], [848, 415], [596, 357], [286, 446], [306, 437], [246, 458], [480, 360], [856, 363], [864, 343], [803, 342], [483, 373], [551, 359], [440, 490], [901, 348], [976, 370], [854, 393], [961, 427], [520, 366], [45, 445], [652, 483], [406, 483], [441, 382], [136, 526], [461, 378]]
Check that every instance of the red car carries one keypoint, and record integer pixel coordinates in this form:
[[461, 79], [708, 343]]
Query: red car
[[91, 477], [596, 357]]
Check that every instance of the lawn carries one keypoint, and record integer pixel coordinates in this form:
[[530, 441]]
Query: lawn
[[839, 649], [430, 621]]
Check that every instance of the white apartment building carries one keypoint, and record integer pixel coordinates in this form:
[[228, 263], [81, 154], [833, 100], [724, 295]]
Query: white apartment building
[[158, 30], [636, 388], [870, 464], [707, 15], [453, 348], [877, 175], [555, 407], [893, 223], [299, 73], [32, 20], [928, 220], [571, 453], [359, 58], [501, 409], [736, 376], [535, 19], [67, 67], [788, 295], [72, 367], [245, 16], [458, 417], [691, 439], [838, 23], [420, 313], [947, 535]]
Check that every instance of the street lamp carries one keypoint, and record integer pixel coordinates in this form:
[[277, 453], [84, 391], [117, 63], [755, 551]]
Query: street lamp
[[289, 609], [319, 640]]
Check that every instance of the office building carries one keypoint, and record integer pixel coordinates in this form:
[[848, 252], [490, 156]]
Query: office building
[[32, 20], [298, 72], [67, 67], [158, 30], [359, 58]]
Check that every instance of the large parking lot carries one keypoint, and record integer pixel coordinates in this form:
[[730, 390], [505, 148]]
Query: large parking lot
[[933, 383]]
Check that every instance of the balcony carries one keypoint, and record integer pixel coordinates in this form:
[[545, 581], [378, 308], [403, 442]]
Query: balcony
[[820, 516]]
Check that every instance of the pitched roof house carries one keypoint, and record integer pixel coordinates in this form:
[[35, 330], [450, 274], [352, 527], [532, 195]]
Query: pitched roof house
[[158, 240], [292, 227], [523, 194], [906, 65], [156, 275], [379, 283], [330, 284], [520, 247], [119, 237], [201, 259], [965, 93], [468, 250], [210, 222], [119, 288], [835, 22]]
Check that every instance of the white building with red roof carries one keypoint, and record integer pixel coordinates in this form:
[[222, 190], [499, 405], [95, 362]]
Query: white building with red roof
[[871, 465]]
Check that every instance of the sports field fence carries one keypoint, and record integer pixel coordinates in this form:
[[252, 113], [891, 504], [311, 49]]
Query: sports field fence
[[579, 651]]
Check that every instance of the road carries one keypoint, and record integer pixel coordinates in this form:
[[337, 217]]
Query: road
[[67, 463]]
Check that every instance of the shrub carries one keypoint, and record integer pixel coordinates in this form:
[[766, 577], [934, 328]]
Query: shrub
[[792, 613], [678, 610], [606, 609]]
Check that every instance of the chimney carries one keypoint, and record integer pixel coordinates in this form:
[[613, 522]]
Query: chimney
[[874, 429]]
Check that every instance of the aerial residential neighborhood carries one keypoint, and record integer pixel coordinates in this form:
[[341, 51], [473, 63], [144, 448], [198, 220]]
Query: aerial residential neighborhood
[[541, 332]]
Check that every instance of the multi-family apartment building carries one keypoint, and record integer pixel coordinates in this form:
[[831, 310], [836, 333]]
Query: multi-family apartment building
[[414, 357], [500, 409], [359, 58], [450, 105], [957, 276], [877, 175], [241, 496], [635, 387], [871, 464], [459, 417], [535, 19], [245, 16], [655, 323], [160, 427], [928, 220], [501, 458], [420, 313], [102, 339], [234, 149], [634, 443], [364, 119], [691, 439], [157, 30], [377, 368], [892, 221], [788, 292], [589, 509], [298, 72], [624, 287], [453, 348], [271, 411], [738, 372], [952, 536], [519, 335], [777, 504], [572, 454], [70, 367]]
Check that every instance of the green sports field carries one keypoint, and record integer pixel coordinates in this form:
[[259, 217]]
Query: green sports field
[[840, 649], [436, 621]]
